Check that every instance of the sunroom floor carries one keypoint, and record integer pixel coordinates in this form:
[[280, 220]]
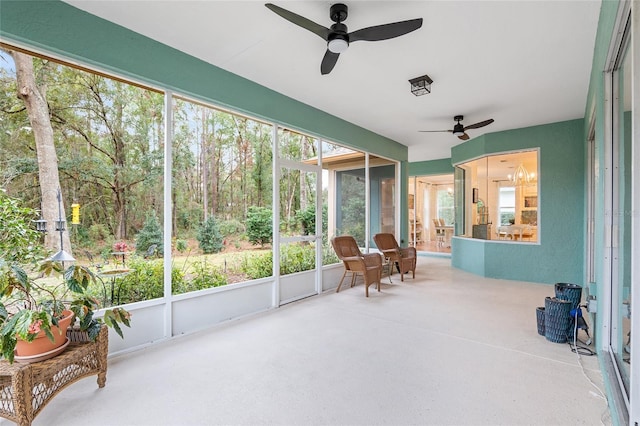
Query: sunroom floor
[[448, 348]]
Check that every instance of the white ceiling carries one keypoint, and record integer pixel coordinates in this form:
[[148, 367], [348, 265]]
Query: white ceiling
[[521, 63]]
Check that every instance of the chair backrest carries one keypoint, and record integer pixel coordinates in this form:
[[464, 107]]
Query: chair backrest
[[442, 223], [385, 241], [436, 222], [151, 251], [345, 246]]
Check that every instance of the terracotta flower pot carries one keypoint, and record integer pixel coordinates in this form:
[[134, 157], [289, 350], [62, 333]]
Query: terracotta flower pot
[[41, 344]]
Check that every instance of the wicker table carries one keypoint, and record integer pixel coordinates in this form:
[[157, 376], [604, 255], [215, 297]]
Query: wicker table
[[25, 389]]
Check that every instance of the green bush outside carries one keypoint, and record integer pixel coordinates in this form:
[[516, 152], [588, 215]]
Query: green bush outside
[[259, 225], [206, 275], [209, 236], [294, 258], [231, 227], [19, 242], [150, 234]]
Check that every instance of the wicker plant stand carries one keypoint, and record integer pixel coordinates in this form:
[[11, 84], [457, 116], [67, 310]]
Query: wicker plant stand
[[25, 389]]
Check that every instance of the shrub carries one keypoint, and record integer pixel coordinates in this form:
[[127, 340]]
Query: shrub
[[297, 258], [329, 256], [231, 227], [151, 233], [257, 265], [206, 275], [144, 282], [259, 226], [307, 219], [98, 232], [181, 246], [209, 236], [19, 242]]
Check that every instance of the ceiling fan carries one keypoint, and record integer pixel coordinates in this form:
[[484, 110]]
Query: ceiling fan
[[338, 37], [460, 130]]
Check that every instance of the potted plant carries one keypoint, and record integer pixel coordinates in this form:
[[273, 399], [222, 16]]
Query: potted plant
[[31, 311], [38, 307]]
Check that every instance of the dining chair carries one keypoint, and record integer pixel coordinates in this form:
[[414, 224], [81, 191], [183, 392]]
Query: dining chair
[[404, 258], [439, 232], [356, 263]]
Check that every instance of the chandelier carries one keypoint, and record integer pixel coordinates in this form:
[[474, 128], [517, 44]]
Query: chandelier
[[521, 176]]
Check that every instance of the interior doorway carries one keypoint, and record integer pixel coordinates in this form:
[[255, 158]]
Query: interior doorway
[[431, 213]]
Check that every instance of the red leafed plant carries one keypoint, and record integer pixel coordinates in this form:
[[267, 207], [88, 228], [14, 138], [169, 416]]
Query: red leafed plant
[[120, 246]]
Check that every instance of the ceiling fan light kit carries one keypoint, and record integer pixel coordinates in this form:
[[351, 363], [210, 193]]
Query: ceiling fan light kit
[[338, 38], [421, 85], [338, 45]]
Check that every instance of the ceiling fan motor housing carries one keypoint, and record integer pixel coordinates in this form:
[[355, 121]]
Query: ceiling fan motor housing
[[338, 12]]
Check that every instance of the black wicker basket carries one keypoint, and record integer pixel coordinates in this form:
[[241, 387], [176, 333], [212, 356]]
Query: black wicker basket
[[557, 319], [540, 319], [570, 292]]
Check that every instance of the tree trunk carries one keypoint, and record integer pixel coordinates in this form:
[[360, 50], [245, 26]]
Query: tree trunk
[[35, 100]]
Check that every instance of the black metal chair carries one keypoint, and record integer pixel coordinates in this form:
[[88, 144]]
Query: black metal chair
[[151, 251]]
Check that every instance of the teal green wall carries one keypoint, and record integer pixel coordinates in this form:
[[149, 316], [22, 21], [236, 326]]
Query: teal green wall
[[56, 27], [559, 255], [432, 167], [473, 252]]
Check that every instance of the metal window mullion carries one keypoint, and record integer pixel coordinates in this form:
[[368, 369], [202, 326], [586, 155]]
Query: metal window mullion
[[275, 223], [606, 301], [319, 219], [367, 203], [167, 228], [634, 52]]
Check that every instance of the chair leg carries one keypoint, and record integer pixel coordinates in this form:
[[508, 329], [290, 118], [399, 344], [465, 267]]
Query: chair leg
[[343, 275]]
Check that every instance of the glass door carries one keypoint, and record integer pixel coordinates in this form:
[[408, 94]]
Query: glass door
[[299, 235], [621, 217]]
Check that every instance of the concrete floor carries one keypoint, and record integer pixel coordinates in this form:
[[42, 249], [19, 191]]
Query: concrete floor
[[448, 348]]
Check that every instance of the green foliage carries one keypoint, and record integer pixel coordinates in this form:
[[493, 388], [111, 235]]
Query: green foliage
[[19, 242], [293, 258], [181, 246], [23, 314], [145, 281], [259, 226], [188, 218], [205, 275], [297, 258], [307, 219], [209, 236], [231, 227], [257, 266], [329, 256], [353, 222], [99, 232], [151, 233], [80, 235]]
